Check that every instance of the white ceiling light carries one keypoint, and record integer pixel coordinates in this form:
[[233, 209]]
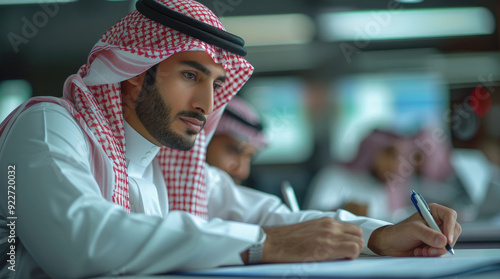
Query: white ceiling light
[[271, 29], [404, 24], [410, 1], [16, 2]]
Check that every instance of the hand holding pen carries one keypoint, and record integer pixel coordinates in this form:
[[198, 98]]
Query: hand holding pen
[[424, 211], [414, 237]]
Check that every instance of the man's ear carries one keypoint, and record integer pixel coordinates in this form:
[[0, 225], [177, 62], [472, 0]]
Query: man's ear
[[137, 80], [131, 89]]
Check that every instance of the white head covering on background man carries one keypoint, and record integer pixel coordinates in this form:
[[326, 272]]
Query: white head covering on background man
[[242, 122]]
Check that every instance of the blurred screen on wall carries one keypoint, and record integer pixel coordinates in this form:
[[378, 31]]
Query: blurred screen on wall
[[280, 102]]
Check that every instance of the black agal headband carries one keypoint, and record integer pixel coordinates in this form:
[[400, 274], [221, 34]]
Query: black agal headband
[[236, 116], [191, 26]]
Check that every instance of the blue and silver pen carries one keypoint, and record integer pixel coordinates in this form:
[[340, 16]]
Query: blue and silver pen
[[424, 211]]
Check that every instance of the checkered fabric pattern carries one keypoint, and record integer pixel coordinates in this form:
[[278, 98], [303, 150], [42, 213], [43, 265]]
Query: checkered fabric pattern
[[237, 129], [127, 49]]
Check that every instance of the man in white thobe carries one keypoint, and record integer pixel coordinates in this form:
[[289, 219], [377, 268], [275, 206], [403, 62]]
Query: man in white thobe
[[110, 179]]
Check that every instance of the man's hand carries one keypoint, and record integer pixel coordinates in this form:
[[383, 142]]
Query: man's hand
[[315, 240], [413, 237]]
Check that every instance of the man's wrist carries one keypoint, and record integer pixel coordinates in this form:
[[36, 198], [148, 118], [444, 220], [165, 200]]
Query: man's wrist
[[244, 257], [374, 243]]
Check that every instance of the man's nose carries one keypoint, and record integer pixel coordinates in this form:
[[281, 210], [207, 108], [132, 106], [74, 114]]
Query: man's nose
[[240, 168], [203, 101]]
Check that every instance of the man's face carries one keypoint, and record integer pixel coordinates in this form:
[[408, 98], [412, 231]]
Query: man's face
[[174, 108], [231, 155], [386, 162]]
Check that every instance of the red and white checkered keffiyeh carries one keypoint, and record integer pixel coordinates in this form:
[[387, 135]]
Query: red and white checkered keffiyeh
[[129, 48], [237, 129]]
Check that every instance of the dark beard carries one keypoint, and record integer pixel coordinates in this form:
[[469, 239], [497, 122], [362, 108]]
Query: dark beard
[[155, 116]]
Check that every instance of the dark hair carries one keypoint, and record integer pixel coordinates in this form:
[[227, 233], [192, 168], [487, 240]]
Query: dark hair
[[150, 77]]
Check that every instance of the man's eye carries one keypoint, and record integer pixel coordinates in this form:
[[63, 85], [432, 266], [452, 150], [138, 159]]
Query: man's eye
[[217, 86], [190, 75], [233, 149]]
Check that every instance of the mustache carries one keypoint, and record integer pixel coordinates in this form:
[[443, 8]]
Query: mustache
[[193, 114]]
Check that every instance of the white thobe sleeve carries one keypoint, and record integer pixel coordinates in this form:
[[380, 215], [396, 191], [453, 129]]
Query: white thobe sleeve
[[243, 204], [69, 230]]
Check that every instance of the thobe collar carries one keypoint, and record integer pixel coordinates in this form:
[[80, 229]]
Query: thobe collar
[[139, 151]]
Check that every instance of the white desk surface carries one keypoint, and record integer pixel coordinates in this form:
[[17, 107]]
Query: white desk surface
[[467, 263]]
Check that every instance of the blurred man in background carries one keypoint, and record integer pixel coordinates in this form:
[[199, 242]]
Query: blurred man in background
[[237, 139], [367, 185]]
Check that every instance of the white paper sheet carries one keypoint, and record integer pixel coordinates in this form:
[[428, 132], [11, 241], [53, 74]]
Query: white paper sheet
[[464, 262]]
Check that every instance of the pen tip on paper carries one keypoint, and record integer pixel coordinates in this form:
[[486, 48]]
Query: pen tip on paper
[[452, 251]]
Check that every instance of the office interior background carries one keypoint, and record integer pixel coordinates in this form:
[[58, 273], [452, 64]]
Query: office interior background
[[327, 73]]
